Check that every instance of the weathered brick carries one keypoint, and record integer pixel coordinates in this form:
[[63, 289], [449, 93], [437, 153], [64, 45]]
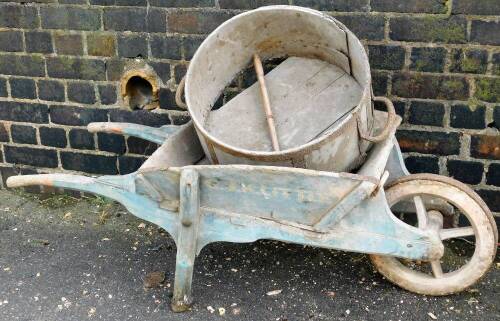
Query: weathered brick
[[52, 90], [333, 5], [22, 65], [141, 3], [38, 41], [55, 137], [191, 44], [140, 146], [23, 134], [4, 134], [430, 59], [11, 40], [107, 94], [24, 112], [200, 22], [485, 146], [156, 20], [495, 61], [386, 57], [101, 44], [81, 139], [180, 71], [76, 68], [103, 2], [379, 83], [485, 32], [124, 19], [75, 116], [133, 46], [31, 156], [89, 163], [399, 107], [166, 47], [496, 117], [422, 164], [167, 99], [488, 89], [252, 4], [465, 171], [429, 29], [3, 87], [416, 85], [81, 92], [438, 143], [111, 143], [476, 7], [142, 117], [463, 116], [417, 6], [426, 113], [493, 175], [114, 69], [129, 164], [182, 3], [68, 44], [22, 88], [70, 18], [491, 197], [70, 1], [162, 69], [469, 61], [369, 27], [18, 16]]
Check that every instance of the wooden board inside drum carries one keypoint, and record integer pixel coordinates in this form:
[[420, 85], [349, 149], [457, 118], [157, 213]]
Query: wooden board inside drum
[[308, 97]]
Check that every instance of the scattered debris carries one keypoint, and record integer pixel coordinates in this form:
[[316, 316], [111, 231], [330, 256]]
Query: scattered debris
[[154, 279], [210, 309], [91, 312], [274, 292], [330, 294]]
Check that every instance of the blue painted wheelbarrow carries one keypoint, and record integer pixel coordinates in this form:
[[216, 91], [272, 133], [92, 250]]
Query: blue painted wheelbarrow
[[200, 204], [356, 195]]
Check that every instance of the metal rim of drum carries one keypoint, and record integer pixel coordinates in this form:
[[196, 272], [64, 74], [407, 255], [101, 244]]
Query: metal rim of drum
[[351, 120]]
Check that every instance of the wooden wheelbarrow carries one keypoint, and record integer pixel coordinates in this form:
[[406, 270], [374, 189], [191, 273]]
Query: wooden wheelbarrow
[[200, 204]]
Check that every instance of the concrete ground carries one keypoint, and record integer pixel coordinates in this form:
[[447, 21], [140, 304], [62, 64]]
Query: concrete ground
[[67, 259]]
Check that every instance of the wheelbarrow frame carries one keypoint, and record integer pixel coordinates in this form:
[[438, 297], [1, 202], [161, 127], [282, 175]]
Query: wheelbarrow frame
[[201, 204]]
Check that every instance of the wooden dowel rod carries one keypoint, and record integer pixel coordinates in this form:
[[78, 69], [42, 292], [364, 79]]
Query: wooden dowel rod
[[265, 100]]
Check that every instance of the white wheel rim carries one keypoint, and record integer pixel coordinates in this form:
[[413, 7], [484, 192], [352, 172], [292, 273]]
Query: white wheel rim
[[459, 279]]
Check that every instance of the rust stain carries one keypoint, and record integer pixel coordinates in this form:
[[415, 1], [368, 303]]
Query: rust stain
[[417, 145]]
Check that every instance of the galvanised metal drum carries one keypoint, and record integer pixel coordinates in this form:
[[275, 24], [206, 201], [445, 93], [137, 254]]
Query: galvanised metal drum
[[282, 31]]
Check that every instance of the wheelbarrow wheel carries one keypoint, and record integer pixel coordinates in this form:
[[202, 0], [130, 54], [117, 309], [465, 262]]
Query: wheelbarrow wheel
[[469, 249]]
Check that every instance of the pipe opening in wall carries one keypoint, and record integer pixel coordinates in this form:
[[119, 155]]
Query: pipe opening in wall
[[139, 92], [139, 89]]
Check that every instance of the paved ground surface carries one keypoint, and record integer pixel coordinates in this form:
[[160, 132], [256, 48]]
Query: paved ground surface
[[65, 259]]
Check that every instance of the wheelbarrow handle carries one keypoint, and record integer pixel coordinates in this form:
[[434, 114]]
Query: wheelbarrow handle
[[179, 93], [391, 122]]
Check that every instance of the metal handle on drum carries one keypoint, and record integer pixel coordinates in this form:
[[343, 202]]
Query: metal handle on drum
[[391, 119], [178, 94]]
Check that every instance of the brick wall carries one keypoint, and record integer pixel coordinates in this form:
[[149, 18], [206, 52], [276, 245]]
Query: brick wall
[[61, 60]]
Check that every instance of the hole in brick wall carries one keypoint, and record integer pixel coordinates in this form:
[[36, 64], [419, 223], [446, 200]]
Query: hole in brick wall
[[139, 89], [139, 92]]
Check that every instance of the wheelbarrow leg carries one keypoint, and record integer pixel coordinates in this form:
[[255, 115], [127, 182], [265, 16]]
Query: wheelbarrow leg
[[187, 240]]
